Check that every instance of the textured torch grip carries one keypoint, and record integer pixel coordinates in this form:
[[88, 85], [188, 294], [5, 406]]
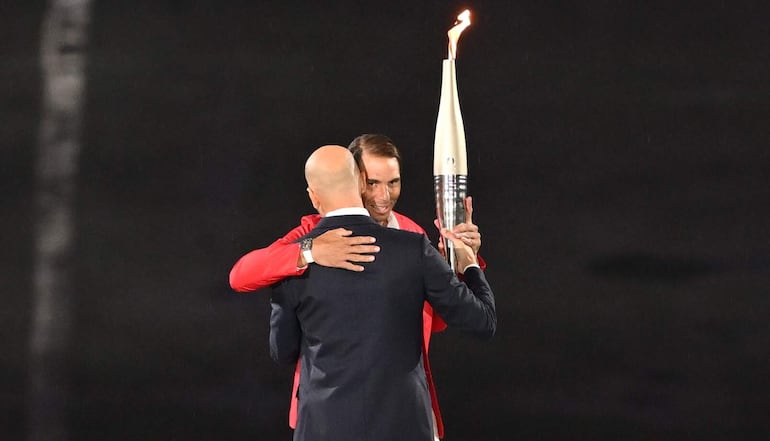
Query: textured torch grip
[[451, 191]]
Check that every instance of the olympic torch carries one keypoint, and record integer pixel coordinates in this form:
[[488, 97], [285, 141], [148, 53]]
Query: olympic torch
[[450, 166]]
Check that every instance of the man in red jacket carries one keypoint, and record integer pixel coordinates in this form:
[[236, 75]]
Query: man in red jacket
[[379, 157]]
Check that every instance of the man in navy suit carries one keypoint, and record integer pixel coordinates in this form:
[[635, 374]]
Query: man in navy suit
[[358, 335]]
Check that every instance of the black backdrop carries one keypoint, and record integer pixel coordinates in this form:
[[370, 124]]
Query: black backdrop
[[618, 162]]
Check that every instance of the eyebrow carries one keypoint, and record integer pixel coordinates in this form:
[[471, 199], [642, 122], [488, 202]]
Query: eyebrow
[[375, 181]]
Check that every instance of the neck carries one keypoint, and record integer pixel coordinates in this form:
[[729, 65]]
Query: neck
[[353, 202]]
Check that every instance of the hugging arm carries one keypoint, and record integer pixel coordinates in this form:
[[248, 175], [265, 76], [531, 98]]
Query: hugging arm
[[265, 266]]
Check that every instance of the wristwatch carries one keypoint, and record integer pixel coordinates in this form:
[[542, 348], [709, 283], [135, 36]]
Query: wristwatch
[[305, 245]]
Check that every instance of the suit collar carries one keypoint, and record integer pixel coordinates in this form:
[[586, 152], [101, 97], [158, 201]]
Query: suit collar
[[347, 211], [328, 223]]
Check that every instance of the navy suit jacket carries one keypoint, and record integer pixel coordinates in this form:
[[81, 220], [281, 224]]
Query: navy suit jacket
[[358, 335]]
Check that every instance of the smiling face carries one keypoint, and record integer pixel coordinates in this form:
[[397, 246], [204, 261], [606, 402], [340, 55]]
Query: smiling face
[[383, 186]]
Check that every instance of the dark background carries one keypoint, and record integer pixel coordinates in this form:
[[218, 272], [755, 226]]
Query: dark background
[[618, 156]]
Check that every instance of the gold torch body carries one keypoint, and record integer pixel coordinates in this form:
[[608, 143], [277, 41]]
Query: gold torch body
[[450, 165]]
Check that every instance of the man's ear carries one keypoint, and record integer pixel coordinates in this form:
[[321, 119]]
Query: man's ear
[[313, 198]]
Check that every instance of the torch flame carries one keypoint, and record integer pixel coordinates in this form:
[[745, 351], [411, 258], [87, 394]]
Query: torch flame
[[463, 21]]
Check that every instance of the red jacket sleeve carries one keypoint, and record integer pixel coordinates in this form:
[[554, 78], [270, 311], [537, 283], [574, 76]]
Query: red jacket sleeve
[[265, 266]]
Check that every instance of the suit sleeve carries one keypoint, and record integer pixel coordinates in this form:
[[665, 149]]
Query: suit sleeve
[[468, 305], [434, 322], [285, 331], [265, 266]]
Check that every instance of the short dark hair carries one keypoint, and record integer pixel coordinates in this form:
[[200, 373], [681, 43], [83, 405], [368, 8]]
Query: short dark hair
[[374, 144]]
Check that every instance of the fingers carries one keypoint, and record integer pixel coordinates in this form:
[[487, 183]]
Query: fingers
[[338, 249], [331, 235], [468, 202], [469, 240], [360, 240], [466, 228], [348, 240], [466, 231], [351, 267], [342, 237], [362, 254], [359, 246], [457, 242], [440, 246], [469, 235], [454, 237], [462, 251]]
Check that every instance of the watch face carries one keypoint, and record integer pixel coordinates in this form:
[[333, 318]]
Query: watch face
[[306, 244]]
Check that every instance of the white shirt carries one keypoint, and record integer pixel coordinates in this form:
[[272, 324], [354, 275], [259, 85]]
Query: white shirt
[[347, 211]]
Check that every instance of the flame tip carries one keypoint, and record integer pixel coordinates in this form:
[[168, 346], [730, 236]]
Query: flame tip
[[463, 21]]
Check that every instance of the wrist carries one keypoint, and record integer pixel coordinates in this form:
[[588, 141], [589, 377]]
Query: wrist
[[470, 265]]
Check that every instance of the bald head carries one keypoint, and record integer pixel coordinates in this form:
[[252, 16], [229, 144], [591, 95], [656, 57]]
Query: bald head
[[333, 179]]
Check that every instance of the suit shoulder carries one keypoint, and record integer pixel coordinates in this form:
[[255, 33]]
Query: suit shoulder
[[403, 235]]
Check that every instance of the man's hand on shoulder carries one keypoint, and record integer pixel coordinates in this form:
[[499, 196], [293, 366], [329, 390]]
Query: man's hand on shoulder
[[338, 249]]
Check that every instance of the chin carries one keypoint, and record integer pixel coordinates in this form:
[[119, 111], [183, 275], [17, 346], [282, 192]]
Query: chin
[[381, 219]]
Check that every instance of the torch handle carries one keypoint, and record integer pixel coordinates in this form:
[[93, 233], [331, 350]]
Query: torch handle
[[451, 191]]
